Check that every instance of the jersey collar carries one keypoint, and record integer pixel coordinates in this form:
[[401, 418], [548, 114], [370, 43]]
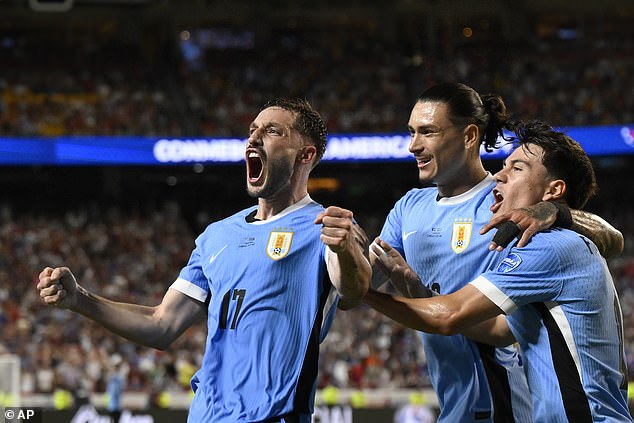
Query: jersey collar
[[301, 203], [468, 195]]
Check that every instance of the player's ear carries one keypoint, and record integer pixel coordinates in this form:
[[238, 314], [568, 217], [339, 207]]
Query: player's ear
[[555, 190], [307, 153], [472, 136]]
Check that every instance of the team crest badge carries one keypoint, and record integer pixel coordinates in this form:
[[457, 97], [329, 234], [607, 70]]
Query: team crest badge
[[279, 244], [461, 235]]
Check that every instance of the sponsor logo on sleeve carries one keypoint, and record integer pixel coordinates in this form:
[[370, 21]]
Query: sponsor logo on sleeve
[[509, 263]]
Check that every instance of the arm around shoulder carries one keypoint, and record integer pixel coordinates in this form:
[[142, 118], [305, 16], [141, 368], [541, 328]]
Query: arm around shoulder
[[607, 238]]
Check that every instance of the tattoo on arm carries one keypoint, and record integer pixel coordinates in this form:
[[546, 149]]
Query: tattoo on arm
[[608, 239], [542, 211]]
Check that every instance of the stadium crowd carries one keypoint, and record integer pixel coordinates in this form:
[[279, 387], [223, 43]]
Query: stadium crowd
[[360, 84]]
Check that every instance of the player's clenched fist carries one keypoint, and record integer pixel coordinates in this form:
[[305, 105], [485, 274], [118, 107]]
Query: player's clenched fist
[[336, 231], [58, 287]]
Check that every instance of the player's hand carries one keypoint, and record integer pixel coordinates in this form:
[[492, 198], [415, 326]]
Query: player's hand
[[529, 221], [392, 263], [337, 230], [58, 287]]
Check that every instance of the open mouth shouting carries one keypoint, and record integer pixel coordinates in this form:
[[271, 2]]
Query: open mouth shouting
[[255, 166], [499, 198]]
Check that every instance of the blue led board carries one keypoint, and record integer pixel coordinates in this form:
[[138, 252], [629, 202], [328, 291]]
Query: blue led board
[[69, 151]]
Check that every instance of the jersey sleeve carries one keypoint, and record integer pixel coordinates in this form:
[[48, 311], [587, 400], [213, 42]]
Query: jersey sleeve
[[392, 231], [191, 281], [526, 275]]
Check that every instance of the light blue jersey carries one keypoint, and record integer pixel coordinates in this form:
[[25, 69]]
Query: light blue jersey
[[440, 240], [266, 284], [114, 390], [564, 311]]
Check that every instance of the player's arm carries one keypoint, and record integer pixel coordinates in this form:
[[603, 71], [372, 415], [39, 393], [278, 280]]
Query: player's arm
[[441, 314], [388, 262], [494, 332], [156, 326], [348, 266], [606, 237], [543, 215]]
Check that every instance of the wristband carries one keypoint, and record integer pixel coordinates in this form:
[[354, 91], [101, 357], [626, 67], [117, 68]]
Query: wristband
[[564, 216], [506, 232]]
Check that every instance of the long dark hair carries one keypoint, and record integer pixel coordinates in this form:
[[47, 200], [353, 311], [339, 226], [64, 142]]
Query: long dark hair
[[466, 106]]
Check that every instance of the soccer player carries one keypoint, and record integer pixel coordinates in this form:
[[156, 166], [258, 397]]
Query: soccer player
[[436, 230], [114, 389], [556, 291], [261, 278]]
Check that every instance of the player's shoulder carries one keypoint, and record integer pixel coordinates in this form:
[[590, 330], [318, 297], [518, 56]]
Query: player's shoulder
[[419, 194], [238, 216], [573, 240], [314, 205], [557, 235], [306, 210], [416, 200], [559, 240], [561, 248]]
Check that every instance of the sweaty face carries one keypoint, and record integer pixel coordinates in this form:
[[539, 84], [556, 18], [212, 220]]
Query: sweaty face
[[523, 181], [271, 152], [437, 144]]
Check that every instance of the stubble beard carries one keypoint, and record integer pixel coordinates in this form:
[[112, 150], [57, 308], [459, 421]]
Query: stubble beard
[[277, 177]]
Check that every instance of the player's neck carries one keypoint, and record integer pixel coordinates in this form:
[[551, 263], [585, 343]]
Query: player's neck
[[269, 207], [463, 181]]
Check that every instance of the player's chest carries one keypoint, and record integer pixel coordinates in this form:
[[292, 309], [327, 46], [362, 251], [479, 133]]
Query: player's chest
[[439, 232], [246, 253]]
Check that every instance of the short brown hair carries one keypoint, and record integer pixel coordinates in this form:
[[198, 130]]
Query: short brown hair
[[308, 122]]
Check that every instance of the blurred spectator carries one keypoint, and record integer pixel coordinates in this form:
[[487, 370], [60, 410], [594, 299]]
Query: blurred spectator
[[566, 82], [115, 388]]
